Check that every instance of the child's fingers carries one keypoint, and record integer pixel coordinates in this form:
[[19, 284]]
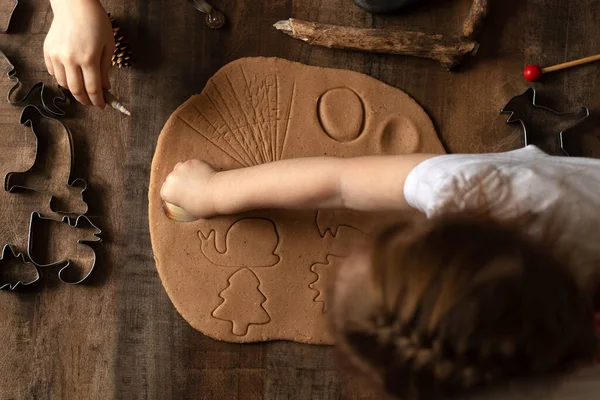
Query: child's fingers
[[166, 189], [105, 62], [93, 85], [48, 62], [59, 73], [76, 85]]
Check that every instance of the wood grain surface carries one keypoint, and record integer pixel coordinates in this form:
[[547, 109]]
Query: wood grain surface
[[119, 335]]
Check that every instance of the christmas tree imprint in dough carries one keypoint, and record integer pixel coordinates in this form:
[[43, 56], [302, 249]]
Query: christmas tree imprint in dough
[[325, 274], [258, 235], [254, 111], [242, 303]]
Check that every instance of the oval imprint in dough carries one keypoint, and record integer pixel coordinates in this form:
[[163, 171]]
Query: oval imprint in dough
[[400, 132], [341, 114]]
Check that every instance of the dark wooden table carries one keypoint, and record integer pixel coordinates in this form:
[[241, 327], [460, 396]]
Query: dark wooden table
[[119, 336]]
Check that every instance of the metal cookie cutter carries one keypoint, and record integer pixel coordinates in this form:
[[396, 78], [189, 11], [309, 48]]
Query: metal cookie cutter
[[10, 15], [527, 100], [214, 18], [8, 254], [11, 177], [81, 222], [51, 109]]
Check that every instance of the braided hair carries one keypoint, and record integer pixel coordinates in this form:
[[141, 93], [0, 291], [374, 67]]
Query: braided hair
[[459, 303]]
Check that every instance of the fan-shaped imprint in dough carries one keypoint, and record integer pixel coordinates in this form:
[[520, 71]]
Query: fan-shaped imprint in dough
[[263, 275]]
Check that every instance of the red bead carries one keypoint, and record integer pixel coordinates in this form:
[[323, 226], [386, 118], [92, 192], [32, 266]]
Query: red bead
[[532, 73]]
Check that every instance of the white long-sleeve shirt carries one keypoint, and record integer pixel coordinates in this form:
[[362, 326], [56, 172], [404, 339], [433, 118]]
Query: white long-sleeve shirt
[[564, 192]]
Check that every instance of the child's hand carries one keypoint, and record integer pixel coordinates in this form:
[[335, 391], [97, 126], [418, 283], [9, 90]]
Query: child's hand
[[79, 47], [188, 187]]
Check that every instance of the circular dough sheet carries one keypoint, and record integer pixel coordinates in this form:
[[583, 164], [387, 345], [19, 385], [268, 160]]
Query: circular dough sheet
[[264, 275]]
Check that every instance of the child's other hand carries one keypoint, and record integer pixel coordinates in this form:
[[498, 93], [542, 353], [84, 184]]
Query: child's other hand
[[188, 187], [79, 47]]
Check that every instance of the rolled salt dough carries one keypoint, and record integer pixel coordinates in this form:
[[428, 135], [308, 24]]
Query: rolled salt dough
[[264, 275]]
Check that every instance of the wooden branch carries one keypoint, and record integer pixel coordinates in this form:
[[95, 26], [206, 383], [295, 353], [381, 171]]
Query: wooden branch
[[474, 22], [447, 49]]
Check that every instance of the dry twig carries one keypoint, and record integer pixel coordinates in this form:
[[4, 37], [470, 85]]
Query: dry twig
[[446, 49]]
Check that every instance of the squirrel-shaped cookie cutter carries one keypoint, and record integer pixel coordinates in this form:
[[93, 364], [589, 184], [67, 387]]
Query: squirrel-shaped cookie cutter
[[530, 95], [9, 252], [66, 263]]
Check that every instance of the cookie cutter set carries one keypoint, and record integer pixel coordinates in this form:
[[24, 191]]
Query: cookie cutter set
[[52, 111], [214, 19]]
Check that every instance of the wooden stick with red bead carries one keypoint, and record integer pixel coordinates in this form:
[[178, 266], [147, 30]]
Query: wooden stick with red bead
[[533, 72]]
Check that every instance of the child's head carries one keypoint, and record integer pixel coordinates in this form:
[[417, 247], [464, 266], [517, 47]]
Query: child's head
[[458, 303]]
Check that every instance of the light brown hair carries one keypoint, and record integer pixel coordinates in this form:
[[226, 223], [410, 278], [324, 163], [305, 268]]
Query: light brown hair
[[459, 303]]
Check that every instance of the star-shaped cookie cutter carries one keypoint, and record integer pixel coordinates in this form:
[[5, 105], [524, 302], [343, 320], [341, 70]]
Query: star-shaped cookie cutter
[[531, 93], [9, 253], [78, 222]]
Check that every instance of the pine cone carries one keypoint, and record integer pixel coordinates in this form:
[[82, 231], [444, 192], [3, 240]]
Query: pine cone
[[122, 54]]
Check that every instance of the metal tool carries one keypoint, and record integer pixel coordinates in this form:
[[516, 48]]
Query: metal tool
[[78, 183], [8, 253], [78, 222], [177, 213], [10, 15], [527, 100], [109, 98], [214, 18], [113, 102]]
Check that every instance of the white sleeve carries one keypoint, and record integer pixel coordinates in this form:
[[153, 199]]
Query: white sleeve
[[563, 193], [484, 182]]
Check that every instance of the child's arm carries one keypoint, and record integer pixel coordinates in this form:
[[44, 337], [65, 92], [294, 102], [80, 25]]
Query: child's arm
[[78, 49], [365, 183]]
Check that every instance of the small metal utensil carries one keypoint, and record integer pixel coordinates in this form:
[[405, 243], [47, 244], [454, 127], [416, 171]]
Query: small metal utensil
[[214, 18]]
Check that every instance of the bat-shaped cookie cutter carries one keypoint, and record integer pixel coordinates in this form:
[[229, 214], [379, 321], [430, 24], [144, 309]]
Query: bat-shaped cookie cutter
[[584, 111], [52, 110], [77, 183], [10, 15], [74, 223], [9, 252]]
